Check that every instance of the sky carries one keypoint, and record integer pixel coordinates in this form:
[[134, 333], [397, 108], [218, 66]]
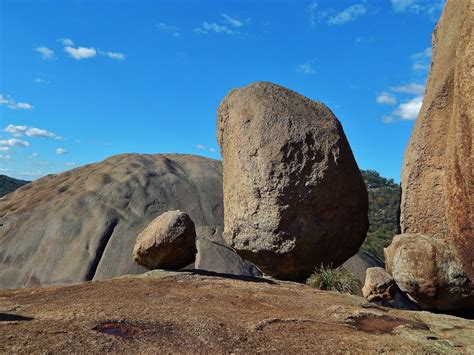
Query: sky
[[81, 80]]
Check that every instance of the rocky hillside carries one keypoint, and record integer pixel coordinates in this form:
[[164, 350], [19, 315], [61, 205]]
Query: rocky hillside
[[9, 184], [164, 312], [82, 224], [384, 202]]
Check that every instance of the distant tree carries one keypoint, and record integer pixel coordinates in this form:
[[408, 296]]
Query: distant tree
[[8, 184]]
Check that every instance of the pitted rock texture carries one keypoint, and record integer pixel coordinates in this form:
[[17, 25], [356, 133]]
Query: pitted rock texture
[[429, 272], [82, 224], [293, 195], [379, 285], [438, 173], [169, 242]]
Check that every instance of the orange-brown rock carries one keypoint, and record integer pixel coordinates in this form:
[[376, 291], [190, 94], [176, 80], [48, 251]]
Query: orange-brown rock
[[181, 312], [438, 176]]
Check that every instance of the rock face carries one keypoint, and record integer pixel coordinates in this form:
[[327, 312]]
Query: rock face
[[429, 272], [82, 224], [379, 285], [438, 174], [293, 195], [358, 265], [169, 242]]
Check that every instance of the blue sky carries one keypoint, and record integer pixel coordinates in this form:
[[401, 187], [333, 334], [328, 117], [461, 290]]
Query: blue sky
[[81, 80]]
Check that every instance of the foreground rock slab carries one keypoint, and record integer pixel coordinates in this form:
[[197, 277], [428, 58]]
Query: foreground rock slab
[[293, 195], [184, 312], [169, 242]]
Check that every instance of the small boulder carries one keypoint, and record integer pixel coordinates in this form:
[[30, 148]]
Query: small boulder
[[169, 242], [379, 285]]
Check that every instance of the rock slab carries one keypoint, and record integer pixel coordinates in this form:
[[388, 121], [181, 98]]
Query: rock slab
[[293, 195], [438, 175], [379, 285], [169, 242]]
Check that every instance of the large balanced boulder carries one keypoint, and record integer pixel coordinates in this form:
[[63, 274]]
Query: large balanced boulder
[[169, 242], [429, 272], [293, 195], [82, 224], [438, 177]]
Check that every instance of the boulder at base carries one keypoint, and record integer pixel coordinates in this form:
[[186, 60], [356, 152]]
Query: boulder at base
[[294, 197], [169, 242], [82, 224], [429, 272], [379, 285]]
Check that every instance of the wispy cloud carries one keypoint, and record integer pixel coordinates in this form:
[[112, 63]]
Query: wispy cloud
[[61, 151], [172, 30], [66, 42], [10, 143], [233, 21], [12, 104], [412, 88], [311, 10], [80, 52], [5, 157], [334, 17], [421, 60], [18, 131], [200, 146], [386, 99], [70, 164], [116, 55], [41, 81], [431, 8], [46, 53], [306, 68], [212, 150]]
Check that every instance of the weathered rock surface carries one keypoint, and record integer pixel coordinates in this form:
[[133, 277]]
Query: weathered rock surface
[[169, 242], [82, 224], [438, 174], [428, 271], [179, 312], [219, 258], [293, 195], [379, 285]]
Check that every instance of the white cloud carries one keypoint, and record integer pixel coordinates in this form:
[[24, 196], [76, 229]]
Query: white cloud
[[431, 8], [207, 27], [61, 151], [409, 110], [232, 21], [173, 30], [349, 14], [7, 100], [4, 149], [386, 98], [46, 53], [5, 157], [306, 68], [200, 146], [212, 150], [116, 55], [80, 52], [17, 131], [412, 88], [66, 42], [387, 119], [14, 143], [34, 155], [70, 164]]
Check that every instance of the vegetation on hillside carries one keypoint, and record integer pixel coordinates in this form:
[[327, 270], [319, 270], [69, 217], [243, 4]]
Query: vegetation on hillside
[[8, 184], [384, 202], [339, 280]]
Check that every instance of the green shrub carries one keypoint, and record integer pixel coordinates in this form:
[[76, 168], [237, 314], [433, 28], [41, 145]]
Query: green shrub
[[338, 279]]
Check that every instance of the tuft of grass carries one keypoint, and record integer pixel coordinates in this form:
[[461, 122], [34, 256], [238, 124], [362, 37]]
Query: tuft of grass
[[338, 279]]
